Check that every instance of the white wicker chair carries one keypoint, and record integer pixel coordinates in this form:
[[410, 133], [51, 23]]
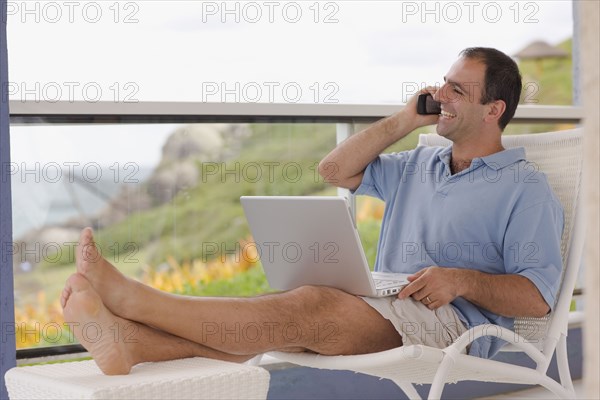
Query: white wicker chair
[[559, 156]]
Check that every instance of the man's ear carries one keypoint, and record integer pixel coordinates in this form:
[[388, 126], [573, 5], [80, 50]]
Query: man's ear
[[494, 110]]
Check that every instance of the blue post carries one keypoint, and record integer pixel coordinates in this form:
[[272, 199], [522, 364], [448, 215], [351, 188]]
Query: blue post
[[7, 299]]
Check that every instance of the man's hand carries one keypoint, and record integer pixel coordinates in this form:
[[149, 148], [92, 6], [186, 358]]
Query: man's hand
[[410, 110], [508, 295], [433, 286], [344, 166]]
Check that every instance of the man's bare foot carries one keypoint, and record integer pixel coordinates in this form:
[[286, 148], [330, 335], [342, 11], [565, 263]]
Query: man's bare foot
[[110, 284], [118, 344], [96, 328]]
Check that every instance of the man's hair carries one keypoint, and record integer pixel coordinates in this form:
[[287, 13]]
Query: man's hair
[[502, 79]]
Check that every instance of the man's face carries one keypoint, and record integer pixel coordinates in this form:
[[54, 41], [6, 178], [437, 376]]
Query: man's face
[[462, 114]]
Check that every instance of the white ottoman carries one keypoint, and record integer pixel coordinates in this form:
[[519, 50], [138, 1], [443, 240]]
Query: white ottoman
[[190, 378]]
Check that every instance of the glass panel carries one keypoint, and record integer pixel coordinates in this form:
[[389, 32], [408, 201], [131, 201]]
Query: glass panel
[[163, 200], [272, 51]]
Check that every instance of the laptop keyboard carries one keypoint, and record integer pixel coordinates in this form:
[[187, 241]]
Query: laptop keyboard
[[382, 283]]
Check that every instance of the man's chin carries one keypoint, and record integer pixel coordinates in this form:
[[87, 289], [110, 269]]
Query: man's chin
[[445, 133], [440, 130]]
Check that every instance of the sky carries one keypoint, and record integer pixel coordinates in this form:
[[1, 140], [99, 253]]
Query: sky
[[375, 52]]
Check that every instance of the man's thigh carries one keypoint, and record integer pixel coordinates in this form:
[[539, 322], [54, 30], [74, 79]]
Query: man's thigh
[[417, 324], [344, 324]]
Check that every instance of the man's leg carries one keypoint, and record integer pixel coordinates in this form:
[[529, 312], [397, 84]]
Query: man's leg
[[324, 320], [117, 344]]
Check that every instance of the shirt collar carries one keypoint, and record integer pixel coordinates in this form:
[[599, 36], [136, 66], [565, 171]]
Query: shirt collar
[[504, 158], [494, 161]]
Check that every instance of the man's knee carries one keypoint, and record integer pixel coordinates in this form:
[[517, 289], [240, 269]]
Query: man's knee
[[320, 300], [316, 293], [336, 320], [309, 292]]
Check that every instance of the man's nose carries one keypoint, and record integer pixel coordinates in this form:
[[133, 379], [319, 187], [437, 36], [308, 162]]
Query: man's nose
[[439, 94]]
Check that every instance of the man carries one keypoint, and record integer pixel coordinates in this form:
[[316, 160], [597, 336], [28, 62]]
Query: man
[[479, 232]]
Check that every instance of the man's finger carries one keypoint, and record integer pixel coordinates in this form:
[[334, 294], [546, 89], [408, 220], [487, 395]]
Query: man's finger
[[410, 289], [416, 275], [430, 89]]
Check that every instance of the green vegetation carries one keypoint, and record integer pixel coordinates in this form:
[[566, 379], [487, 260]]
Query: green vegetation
[[275, 160], [248, 283], [546, 82]]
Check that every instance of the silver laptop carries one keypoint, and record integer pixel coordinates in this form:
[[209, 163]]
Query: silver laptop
[[312, 240]]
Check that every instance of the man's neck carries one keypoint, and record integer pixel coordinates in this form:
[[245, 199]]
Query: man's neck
[[457, 166], [464, 152]]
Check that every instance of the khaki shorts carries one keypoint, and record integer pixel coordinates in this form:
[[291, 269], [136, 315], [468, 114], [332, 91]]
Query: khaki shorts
[[416, 323]]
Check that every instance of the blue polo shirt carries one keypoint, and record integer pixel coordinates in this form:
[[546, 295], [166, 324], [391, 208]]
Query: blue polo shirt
[[499, 216]]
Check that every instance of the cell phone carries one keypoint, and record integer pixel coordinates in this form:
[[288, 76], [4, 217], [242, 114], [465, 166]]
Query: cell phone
[[426, 105]]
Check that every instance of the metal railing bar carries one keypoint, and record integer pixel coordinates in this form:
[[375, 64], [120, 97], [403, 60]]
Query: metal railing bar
[[168, 112]]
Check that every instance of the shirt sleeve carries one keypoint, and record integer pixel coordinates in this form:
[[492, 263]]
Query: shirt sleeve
[[382, 175], [532, 246]]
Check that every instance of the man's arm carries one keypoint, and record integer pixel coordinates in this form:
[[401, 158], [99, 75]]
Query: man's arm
[[507, 295], [344, 166]]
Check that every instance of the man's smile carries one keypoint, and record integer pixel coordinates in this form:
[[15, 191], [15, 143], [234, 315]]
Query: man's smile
[[447, 114]]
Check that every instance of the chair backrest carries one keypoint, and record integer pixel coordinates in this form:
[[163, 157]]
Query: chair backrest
[[559, 155]]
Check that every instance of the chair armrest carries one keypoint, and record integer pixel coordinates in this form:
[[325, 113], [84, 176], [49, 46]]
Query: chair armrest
[[496, 331]]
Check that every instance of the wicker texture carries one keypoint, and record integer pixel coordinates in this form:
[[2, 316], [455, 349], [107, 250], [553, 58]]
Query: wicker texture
[[191, 378]]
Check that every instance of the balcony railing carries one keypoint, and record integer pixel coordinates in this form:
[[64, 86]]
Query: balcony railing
[[110, 112]]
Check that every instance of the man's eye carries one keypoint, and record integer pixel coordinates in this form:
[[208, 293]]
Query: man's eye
[[457, 91]]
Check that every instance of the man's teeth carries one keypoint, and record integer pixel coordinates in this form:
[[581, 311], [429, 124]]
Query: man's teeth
[[447, 114]]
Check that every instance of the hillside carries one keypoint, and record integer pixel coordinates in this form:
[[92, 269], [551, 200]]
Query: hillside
[[210, 212], [548, 81]]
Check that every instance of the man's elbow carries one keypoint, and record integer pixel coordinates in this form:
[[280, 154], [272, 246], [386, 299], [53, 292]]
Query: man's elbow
[[540, 310], [332, 174], [328, 170], [536, 306]]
